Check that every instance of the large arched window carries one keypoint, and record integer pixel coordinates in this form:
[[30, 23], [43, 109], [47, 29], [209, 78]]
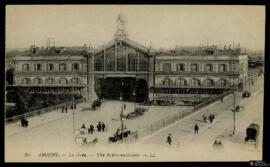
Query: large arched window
[[143, 62], [209, 82], [167, 82], [109, 59], [25, 81], [180, 67], [121, 57], [25, 67], [37, 81], [63, 81], [167, 67], [132, 61]]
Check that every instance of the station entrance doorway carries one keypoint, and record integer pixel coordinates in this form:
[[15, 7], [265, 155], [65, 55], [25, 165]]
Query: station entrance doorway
[[129, 88]]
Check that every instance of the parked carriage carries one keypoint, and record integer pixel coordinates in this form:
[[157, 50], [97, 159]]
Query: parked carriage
[[246, 94], [252, 132], [119, 136]]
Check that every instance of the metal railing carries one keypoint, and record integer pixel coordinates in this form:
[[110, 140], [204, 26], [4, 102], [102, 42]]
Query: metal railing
[[42, 111], [175, 117]]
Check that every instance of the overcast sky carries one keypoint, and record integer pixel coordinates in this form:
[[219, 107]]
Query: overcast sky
[[163, 26]]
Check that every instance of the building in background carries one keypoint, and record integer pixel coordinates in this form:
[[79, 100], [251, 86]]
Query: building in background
[[124, 68]]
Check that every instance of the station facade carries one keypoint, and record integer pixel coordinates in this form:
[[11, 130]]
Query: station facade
[[125, 69]]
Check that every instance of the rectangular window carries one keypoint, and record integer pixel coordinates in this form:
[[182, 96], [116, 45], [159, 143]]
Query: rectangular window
[[208, 67], [38, 67], [222, 68], [194, 67], [75, 66], [62, 67], [50, 81], [25, 67], [50, 67]]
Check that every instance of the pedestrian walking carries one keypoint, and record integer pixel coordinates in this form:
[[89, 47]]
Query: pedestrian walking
[[91, 129], [83, 126], [63, 109], [117, 132], [66, 109], [169, 139], [103, 127], [196, 128], [210, 118], [124, 106], [99, 126], [204, 118], [221, 99]]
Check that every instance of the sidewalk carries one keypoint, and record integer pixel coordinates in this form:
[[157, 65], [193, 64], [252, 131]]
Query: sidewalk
[[183, 130], [39, 120]]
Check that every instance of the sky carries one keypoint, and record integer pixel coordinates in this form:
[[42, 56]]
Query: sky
[[162, 26]]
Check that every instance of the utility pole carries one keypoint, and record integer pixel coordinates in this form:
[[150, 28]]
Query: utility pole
[[122, 113], [234, 107], [233, 88]]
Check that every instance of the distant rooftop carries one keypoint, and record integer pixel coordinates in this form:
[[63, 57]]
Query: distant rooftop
[[200, 50], [53, 51]]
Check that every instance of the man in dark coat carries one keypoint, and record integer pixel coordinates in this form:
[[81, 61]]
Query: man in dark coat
[[196, 128], [91, 129], [99, 126], [169, 139], [103, 127], [66, 109]]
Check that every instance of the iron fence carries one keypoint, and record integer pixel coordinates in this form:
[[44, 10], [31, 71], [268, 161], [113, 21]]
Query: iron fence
[[42, 111], [175, 117]]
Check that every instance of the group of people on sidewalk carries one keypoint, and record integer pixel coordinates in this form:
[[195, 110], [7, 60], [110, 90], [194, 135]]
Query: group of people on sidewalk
[[101, 127], [211, 117], [65, 108], [169, 137]]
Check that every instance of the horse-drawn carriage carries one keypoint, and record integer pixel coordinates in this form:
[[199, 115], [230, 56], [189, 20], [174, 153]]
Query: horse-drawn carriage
[[246, 94], [137, 112], [116, 137], [165, 102], [252, 132], [119, 136]]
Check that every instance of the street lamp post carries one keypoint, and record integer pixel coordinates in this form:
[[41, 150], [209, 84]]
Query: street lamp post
[[122, 113], [234, 107], [134, 94]]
